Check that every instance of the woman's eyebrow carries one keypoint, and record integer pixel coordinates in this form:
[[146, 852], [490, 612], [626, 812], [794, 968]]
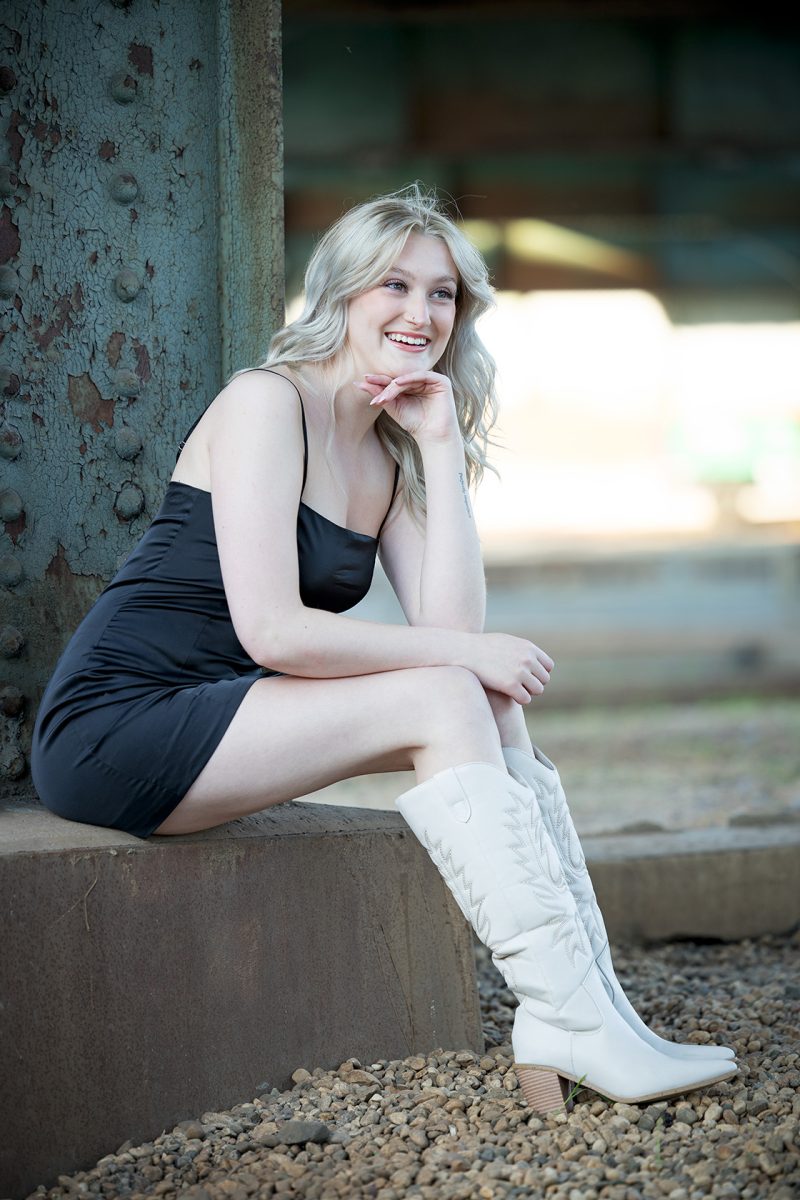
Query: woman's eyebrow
[[410, 275]]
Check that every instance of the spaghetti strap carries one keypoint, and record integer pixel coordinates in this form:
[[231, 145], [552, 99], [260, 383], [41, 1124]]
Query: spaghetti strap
[[302, 416], [391, 502]]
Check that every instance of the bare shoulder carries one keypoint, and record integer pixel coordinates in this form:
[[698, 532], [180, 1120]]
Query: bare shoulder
[[255, 409], [251, 387]]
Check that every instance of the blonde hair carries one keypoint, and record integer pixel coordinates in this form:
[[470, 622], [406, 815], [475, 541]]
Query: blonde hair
[[352, 257]]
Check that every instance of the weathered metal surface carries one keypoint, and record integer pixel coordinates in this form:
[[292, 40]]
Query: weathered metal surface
[[109, 284], [250, 134]]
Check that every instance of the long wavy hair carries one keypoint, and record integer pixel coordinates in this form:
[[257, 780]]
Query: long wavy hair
[[352, 257]]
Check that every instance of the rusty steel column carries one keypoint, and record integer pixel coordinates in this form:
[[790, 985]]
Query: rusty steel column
[[140, 177], [250, 139]]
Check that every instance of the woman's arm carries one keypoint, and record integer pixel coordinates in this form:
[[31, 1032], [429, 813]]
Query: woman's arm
[[437, 574], [256, 465]]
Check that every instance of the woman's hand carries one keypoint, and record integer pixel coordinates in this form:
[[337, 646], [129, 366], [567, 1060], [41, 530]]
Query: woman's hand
[[421, 402], [508, 664]]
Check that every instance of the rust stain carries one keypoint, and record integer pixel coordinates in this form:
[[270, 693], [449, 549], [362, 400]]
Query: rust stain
[[62, 320], [12, 385], [16, 528], [58, 568], [93, 257], [107, 151], [195, 64], [141, 57], [87, 404], [114, 348], [9, 236], [40, 131], [37, 418], [142, 361], [15, 139]]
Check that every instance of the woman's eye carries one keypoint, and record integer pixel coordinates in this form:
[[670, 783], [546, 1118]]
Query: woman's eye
[[394, 283], [444, 294]]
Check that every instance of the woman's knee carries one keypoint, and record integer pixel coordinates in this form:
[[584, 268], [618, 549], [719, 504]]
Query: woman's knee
[[450, 691]]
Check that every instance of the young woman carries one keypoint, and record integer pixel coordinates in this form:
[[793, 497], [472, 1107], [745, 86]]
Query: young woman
[[215, 677]]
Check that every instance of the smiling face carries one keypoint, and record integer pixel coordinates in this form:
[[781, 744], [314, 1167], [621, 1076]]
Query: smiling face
[[404, 323]]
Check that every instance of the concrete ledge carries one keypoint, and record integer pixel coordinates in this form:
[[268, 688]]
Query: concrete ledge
[[726, 883], [144, 982]]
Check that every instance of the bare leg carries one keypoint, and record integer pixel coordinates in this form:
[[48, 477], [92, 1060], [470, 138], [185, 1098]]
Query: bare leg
[[291, 736], [510, 720]]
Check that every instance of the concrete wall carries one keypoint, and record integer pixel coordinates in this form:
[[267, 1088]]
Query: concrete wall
[[133, 134], [144, 982]]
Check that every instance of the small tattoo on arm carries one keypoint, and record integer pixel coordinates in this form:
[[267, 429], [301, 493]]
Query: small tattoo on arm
[[464, 493]]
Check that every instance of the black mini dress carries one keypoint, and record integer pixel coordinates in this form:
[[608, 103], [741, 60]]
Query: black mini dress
[[154, 674]]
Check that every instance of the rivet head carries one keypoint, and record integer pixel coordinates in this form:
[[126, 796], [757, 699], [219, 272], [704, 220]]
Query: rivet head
[[12, 700], [8, 80], [127, 442], [126, 383], [12, 763], [123, 87], [10, 571], [10, 505], [129, 503], [123, 187], [127, 284], [10, 441], [6, 182], [9, 282], [11, 641]]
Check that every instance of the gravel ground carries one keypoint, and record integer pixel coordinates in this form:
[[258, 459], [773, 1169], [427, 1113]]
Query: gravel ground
[[454, 1126]]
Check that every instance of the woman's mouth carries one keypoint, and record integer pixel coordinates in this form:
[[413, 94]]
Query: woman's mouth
[[410, 342]]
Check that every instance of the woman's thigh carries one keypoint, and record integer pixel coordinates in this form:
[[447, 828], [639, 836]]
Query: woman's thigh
[[291, 736]]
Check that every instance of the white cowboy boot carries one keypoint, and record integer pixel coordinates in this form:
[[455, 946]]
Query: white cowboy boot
[[486, 835], [542, 778]]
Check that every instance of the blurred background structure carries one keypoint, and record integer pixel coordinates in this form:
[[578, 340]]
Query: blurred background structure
[[632, 173]]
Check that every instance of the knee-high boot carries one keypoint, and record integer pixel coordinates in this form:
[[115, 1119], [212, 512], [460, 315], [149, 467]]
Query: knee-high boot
[[540, 775], [487, 837]]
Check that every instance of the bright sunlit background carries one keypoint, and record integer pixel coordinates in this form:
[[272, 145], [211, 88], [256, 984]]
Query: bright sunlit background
[[616, 423]]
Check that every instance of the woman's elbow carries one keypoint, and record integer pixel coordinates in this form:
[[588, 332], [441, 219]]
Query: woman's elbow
[[270, 644]]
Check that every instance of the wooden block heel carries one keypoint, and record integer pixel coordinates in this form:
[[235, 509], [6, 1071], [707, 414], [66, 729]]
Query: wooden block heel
[[545, 1090]]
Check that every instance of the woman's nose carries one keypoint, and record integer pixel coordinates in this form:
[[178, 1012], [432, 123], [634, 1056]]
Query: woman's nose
[[417, 310]]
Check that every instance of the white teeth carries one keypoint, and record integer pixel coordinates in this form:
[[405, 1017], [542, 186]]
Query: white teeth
[[410, 341]]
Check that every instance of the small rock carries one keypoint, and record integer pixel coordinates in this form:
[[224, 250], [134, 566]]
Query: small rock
[[359, 1077], [190, 1129], [301, 1075], [297, 1133]]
